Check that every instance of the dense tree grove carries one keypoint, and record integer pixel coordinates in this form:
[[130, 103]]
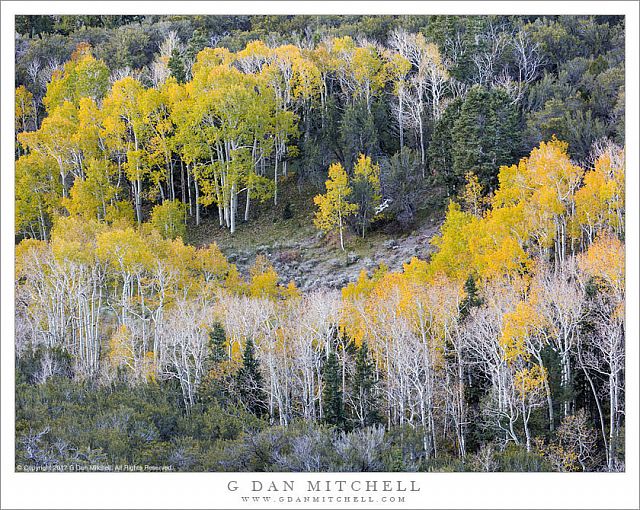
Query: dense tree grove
[[504, 351], [513, 327], [203, 110]]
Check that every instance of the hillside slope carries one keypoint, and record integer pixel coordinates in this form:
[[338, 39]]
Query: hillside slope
[[285, 235]]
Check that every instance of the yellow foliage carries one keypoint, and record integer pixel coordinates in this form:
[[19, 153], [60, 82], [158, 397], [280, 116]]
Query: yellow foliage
[[27, 248], [453, 257], [291, 292], [120, 350], [600, 202], [74, 239], [333, 206], [604, 262], [524, 322], [353, 323], [23, 107], [530, 381], [472, 196], [125, 249], [544, 185], [264, 279]]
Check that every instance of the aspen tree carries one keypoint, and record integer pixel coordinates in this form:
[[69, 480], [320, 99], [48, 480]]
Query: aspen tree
[[334, 207]]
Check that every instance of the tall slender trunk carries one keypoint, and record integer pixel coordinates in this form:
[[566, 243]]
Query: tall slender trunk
[[138, 199], [234, 203], [275, 180], [189, 191], [246, 208], [172, 185], [613, 406], [197, 190], [597, 400], [461, 407], [566, 381], [525, 421], [422, 154], [400, 118], [341, 238], [184, 191], [547, 389]]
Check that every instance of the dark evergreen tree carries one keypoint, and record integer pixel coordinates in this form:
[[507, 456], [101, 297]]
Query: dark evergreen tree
[[468, 31], [440, 151], [358, 134], [364, 381], [250, 383], [366, 196], [486, 135], [403, 185], [34, 25], [196, 44], [332, 405], [215, 384], [218, 344], [472, 299], [176, 66]]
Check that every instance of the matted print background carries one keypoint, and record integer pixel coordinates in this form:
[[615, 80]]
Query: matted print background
[[436, 490]]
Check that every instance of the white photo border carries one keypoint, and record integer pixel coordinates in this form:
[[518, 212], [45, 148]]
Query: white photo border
[[211, 490]]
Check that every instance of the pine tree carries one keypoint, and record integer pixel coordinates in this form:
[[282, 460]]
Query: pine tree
[[366, 191], [485, 135], [250, 383], [472, 299], [440, 152], [217, 344], [196, 44], [358, 132], [176, 66], [333, 412], [363, 388], [215, 384]]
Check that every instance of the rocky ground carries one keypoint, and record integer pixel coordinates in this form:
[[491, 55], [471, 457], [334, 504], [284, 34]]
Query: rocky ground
[[314, 262], [286, 236]]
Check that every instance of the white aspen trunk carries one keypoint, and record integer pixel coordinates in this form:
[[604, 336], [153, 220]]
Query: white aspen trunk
[[234, 202], [422, 154], [461, 415], [600, 413], [613, 405], [173, 188], [400, 117], [246, 208], [189, 191], [525, 421], [136, 192], [197, 190], [566, 377], [162, 198], [340, 224], [275, 180]]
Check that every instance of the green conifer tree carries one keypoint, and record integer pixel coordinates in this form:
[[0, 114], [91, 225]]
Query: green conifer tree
[[218, 344], [440, 151], [364, 382], [250, 383], [333, 411], [196, 44], [176, 66], [471, 299], [486, 135]]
